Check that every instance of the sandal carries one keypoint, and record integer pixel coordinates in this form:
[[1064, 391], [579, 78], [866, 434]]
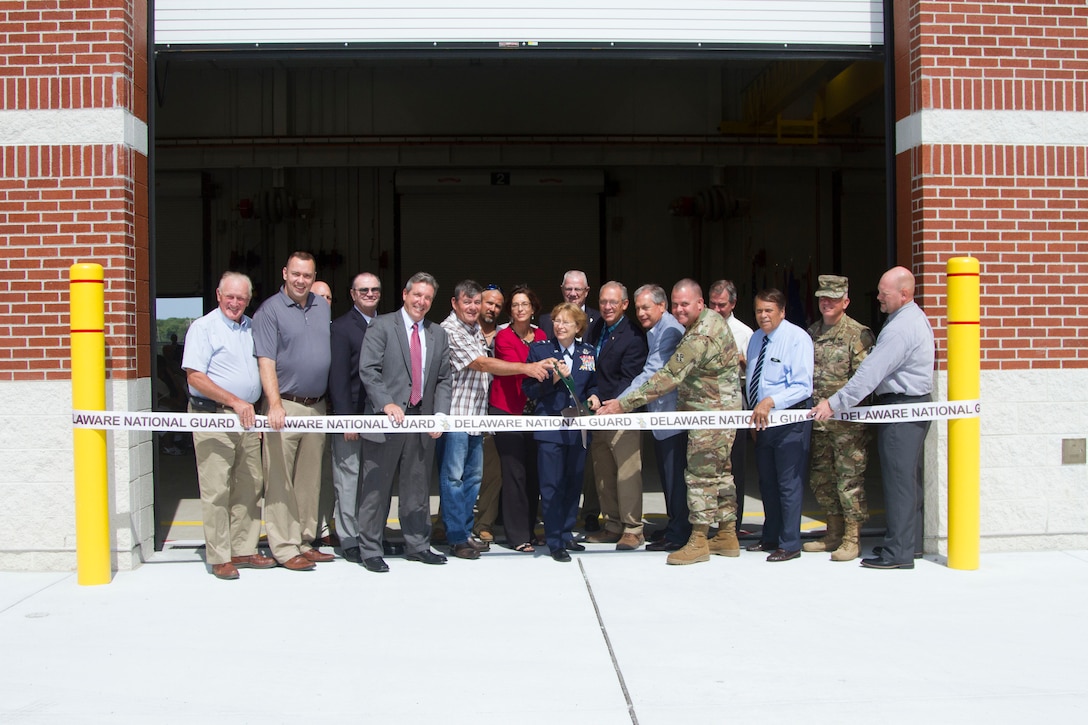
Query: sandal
[[525, 548]]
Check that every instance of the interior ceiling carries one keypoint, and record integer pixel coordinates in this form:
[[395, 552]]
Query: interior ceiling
[[794, 101]]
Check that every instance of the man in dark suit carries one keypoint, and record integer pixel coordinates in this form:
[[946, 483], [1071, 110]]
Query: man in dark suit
[[347, 397], [405, 368], [575, 290], [617, 454]]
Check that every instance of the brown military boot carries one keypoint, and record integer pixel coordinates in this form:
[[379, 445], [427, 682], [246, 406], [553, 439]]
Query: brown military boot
[[725, 543], [695, 550], [849, 548], [832, 539]]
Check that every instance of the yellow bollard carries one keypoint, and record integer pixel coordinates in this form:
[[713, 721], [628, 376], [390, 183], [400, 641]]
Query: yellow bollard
[[87, 317], [964, 434]]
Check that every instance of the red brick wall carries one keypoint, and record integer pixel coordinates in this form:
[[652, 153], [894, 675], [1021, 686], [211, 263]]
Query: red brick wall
[[62, 204], [1021, 210]]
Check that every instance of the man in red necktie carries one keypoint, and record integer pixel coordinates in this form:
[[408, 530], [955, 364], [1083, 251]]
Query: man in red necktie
[[405, 369]]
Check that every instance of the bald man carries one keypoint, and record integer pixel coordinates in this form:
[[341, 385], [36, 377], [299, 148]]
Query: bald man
[[899, 370]]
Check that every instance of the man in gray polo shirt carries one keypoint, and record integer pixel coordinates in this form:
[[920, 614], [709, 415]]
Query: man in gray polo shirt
[[291, 336]]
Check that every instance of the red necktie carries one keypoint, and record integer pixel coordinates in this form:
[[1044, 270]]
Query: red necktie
[[417, 368]]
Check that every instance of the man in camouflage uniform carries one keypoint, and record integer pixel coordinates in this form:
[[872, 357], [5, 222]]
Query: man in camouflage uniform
[[839, 449], [705, 370]]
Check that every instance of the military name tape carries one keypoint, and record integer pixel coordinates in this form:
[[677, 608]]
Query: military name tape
[[702, 420]]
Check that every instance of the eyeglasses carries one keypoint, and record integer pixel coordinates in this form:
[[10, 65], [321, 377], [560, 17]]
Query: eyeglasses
[[368, 290], [491, 287]]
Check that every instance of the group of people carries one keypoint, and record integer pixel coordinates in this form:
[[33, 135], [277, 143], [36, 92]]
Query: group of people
[[291, 359]]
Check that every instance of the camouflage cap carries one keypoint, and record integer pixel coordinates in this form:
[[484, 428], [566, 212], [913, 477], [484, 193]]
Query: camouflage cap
[[832, 285]]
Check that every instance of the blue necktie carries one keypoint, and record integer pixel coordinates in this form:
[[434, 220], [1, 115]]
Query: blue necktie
[[753, 382]]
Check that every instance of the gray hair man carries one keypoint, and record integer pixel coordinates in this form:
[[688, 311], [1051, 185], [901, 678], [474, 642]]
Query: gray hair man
[[221, 370], [617, 454]]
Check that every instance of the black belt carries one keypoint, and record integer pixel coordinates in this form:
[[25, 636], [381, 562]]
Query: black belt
[[900, 397], [206, 405], [803, 405], [302, 401]]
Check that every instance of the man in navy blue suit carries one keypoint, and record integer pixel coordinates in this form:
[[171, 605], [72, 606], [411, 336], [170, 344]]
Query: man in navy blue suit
[[617, 454], [347, 397]]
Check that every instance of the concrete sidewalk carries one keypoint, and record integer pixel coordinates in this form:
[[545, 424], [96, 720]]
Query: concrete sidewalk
[[611, 639]]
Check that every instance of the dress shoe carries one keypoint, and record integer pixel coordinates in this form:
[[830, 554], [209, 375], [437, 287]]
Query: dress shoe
[[465, 550], [879, 562], [426, 557], [392, 548], [664, 545], [479, 544], [375, 564], [603, 537], [331, 540], [573, 546], [298, 563], [783, 555], [316, 556], [561, 555], [878, 551], [629, 542], [352, 554], [760, 546], [224, 571], [253, 561]]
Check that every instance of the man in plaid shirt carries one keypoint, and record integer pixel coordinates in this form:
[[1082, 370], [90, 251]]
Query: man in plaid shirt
[[460, 454]]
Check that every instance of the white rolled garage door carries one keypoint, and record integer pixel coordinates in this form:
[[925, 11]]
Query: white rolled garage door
[[520, 23]]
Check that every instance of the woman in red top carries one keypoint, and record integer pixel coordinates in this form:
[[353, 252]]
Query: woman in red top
[[517, 450]]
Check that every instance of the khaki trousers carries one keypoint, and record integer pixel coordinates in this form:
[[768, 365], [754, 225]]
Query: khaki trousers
[[228, 466], [292, 471], [617, 467]]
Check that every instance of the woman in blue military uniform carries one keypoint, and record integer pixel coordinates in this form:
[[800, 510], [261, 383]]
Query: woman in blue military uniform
[[561, 455]]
